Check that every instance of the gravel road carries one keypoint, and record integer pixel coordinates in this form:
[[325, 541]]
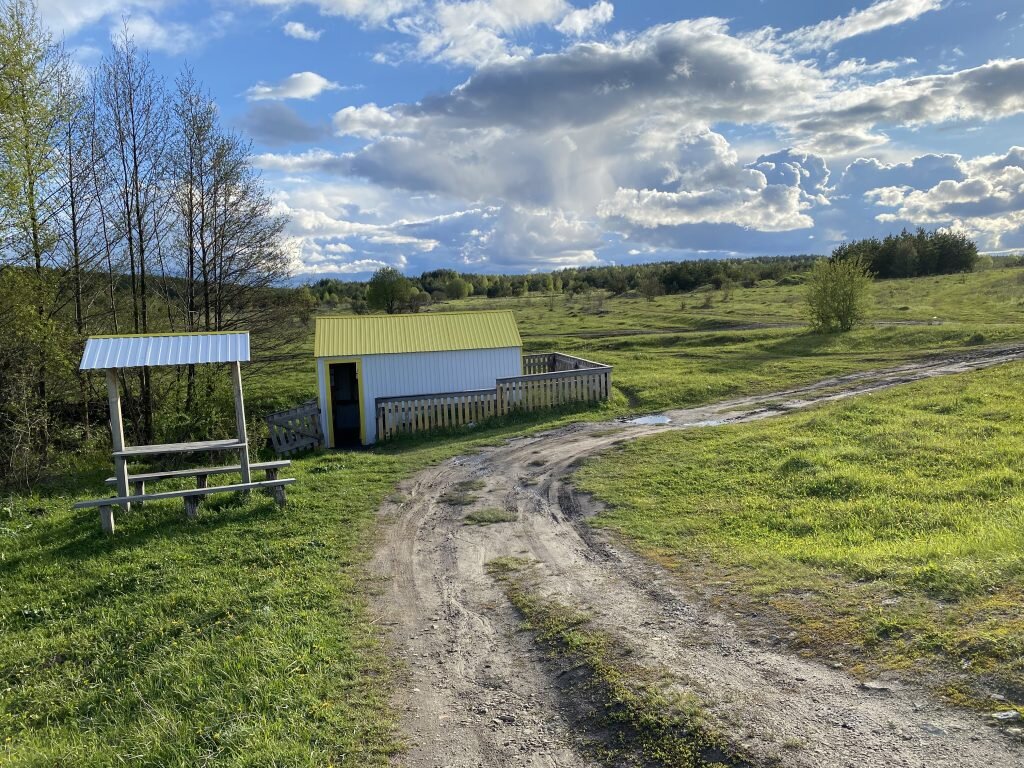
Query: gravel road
[[479, 692]]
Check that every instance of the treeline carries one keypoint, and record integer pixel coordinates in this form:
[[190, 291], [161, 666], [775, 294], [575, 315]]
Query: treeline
[[125, 207], [645, 279], [913, 254]]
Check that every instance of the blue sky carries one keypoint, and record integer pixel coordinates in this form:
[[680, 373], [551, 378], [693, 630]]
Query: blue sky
[[521, 135]]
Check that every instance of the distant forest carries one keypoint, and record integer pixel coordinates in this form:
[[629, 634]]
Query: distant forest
[[907, 254], [655, 279]]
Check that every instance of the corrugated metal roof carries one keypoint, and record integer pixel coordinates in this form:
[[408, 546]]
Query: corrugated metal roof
[[427, 332], [164, 349]]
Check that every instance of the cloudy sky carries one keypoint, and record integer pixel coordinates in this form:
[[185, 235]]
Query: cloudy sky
[[519, 135]]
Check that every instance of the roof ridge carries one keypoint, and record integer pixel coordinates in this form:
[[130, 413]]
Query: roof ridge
[[417, 314]]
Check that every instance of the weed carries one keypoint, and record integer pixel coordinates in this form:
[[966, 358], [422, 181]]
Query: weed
[[490, 516], [644, 721]]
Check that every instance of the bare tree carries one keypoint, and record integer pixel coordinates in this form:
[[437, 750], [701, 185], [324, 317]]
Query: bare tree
[[139, 140]]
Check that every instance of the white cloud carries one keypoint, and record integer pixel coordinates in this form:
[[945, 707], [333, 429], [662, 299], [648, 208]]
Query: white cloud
[[372, 12], [985, 198], [582, 21], [300, 31], [536, 161], [171, 37], [301, 85], [882, 14], [69, 16]]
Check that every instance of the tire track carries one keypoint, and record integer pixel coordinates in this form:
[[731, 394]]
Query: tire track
[[479, 692]]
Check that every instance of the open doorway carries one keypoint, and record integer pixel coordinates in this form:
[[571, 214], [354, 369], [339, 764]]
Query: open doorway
[[345, 413]]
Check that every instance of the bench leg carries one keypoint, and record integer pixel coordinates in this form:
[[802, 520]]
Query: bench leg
[[200, 481], [107, 519], [279, 497], [138, 488], [271, 475], [192, 507], [121, 473]]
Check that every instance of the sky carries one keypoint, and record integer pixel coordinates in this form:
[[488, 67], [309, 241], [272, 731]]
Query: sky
[[529, 135]]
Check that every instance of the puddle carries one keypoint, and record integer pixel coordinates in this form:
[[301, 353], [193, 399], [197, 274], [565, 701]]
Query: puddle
[[650, 420]]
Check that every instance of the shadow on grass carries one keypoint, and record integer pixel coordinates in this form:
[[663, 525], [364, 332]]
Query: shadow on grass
[[83, 540]]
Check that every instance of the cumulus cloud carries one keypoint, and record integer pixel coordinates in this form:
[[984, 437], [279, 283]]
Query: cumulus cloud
[[536, 161], [882, 14], [301, 85], [300, 31], [276, 124], [582, 21], [847, 120], [984, 196]]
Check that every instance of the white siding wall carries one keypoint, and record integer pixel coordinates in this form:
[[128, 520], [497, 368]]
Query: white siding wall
[[424, 373]]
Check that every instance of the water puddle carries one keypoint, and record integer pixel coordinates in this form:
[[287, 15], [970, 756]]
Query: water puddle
[[650, 420]]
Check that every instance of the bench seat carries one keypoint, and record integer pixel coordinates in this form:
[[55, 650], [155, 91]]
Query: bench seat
[[146, 477], [191, 496]]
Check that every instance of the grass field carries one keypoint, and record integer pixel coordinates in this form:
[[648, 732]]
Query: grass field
[[245, 638], [887, 531]]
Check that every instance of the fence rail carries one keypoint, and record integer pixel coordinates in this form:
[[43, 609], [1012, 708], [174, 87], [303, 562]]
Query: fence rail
[[422, 413], [296, 429], [551, 379]]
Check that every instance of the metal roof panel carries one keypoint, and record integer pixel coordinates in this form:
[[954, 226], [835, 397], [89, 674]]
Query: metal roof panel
[[427, 332], [164, 349]]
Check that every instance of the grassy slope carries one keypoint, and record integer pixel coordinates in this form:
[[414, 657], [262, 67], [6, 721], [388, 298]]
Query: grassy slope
[[665, 355], [245, 638], [886, 530]]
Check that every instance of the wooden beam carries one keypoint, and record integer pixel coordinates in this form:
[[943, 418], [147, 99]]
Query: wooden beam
[[236, 380], [117, 438]]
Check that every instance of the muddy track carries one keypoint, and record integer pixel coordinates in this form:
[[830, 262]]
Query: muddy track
[[479, 692]]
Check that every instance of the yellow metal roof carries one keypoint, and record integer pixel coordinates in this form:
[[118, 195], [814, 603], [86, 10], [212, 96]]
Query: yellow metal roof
[[427, 332]]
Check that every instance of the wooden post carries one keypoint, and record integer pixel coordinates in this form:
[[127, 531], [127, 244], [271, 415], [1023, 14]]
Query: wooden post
[[236, 380], [107, 519], [192, 507], [117, 439], [279, 495]]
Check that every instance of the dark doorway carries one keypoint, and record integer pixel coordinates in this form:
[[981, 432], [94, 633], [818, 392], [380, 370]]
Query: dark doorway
[[345, 404]]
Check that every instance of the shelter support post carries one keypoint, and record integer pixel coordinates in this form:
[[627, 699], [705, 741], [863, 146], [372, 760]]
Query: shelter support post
[[117, 438], [236, 380]]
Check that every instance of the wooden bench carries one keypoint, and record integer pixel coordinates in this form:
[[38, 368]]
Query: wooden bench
[[191, 496], [138, 482]]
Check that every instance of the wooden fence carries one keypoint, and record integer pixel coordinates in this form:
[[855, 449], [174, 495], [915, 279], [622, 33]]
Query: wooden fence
[[421, 413], [296, 429], [551, 379]]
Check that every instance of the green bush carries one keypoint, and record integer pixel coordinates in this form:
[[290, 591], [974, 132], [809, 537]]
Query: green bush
[[837, 294]]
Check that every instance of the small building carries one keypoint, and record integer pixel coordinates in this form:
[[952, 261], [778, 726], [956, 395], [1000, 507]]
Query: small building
[[362, 358]]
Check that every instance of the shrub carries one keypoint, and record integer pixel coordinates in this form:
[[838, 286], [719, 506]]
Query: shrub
[[837, 294]]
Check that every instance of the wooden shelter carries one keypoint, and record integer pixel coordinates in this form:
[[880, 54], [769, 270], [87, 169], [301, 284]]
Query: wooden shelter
[[110, 354]]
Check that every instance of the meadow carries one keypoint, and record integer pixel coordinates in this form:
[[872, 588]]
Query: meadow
[[886, 532], [246, 637]]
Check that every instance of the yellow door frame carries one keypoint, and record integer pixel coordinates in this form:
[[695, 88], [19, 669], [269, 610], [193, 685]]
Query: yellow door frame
[[328, 362]]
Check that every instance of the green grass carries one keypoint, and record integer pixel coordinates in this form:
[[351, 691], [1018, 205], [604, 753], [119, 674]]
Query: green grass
[[245, 638], [888, 529], [670, 353], [490, 516]]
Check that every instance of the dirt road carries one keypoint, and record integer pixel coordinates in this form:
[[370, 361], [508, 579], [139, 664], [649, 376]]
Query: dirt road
[[479, 692]]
